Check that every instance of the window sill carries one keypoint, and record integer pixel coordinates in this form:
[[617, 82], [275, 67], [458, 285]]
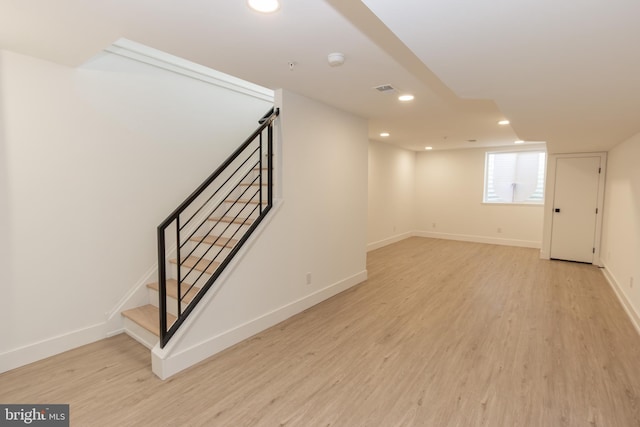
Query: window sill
[[540, 205]]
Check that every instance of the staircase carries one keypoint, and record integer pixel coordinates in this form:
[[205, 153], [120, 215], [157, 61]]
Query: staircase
[[202, 236]]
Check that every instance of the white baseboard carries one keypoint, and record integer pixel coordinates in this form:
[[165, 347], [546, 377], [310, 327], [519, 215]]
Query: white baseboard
[[450, 236], [393, 239], [622, 297], [479, 239], [164, 365], [50, 347]]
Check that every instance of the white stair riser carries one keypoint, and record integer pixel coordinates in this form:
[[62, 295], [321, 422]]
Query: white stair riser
[[172, 303], [140, 334], [239, 209], [251, 188], [255, 173], [229, 230], [219, 228], [207, 251], [191, 278]]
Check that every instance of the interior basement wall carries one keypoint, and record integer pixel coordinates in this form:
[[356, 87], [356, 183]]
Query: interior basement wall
[[5, 232], [92, 159], [391, 194], [449, 190], [620, 252], [313, 247]]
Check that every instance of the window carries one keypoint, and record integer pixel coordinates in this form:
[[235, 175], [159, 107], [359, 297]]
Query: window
[[515, 177]]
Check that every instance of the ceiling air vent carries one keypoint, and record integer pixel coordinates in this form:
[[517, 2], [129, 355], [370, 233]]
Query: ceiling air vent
[[385, 89]]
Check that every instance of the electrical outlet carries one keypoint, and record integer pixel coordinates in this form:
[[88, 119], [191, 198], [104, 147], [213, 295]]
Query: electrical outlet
[[433, 225], [308, 278], [499, 230], [631, 282]]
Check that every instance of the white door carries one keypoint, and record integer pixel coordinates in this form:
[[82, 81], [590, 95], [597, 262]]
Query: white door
[[575, 208]]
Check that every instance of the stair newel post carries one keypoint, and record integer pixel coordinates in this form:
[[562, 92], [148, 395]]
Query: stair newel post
[[178, 266], [162, 285]]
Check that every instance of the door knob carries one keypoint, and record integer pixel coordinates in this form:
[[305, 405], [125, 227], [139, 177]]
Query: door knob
[[557, 209]]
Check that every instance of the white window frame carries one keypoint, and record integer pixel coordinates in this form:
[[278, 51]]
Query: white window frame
[[541, 177]]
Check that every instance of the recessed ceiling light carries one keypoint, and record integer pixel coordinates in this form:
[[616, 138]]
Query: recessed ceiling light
[[428, 148], [406, 98], [518, 142], [503, 122], [264, 6], [384, 134]]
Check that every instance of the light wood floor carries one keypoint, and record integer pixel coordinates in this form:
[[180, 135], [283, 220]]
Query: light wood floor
[[442, 334]]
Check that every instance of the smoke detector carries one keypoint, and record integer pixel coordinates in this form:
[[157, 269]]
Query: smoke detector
[[336, 59]]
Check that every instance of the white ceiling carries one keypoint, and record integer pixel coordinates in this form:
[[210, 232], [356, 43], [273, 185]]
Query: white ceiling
[[563, 72]]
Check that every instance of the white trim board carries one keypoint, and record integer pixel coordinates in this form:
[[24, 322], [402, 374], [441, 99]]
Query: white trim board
[[388, 241], [459, 237], [21, 356], [171, 365], [480, 239], [622, 297], [147, 55]]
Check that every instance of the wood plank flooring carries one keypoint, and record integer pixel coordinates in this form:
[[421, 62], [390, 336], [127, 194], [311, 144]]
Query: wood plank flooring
[[443, 333]]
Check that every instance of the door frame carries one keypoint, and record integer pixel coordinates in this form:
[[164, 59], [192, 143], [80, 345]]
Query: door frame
[[550, 185]]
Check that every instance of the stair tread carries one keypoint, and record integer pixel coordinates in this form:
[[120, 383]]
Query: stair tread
[[199, 264], [172, 290], [245, 221], [225, 242], [147, 316]]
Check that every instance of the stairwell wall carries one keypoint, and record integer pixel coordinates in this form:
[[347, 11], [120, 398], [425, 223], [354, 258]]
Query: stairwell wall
[[6, 279], [318, 231], [91, 160], [391, 211]]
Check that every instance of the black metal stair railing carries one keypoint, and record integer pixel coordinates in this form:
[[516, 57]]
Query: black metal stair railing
[[201, 236]]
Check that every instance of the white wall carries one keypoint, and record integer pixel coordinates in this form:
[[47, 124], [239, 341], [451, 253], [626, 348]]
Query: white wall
[[6, 279], [91, 160], [621, 224], [449, 189], [391, 194], [319, 228]]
